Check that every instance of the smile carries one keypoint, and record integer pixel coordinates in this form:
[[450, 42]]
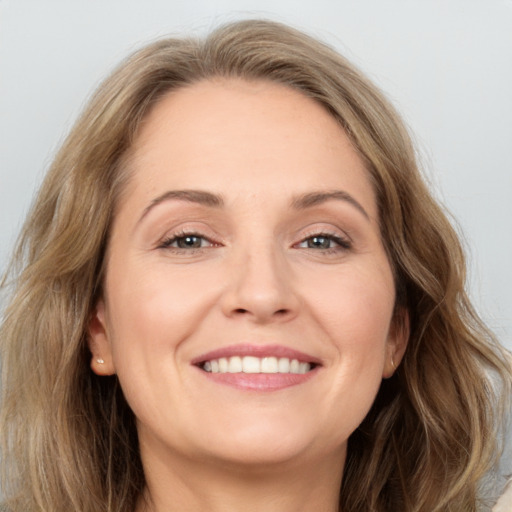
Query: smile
[[252, 364], [255, 367]]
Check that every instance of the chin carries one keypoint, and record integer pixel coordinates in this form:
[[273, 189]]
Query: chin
[[267, 442], [259, 455]]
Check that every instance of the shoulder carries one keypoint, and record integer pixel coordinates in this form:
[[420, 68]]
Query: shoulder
[[504, 504], [501, 477], [496, 487]]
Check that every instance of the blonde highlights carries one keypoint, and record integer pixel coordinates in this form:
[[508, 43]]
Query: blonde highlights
[[68, 437]]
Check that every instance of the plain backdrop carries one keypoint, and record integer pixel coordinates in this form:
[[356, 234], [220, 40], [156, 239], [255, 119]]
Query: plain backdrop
[[446, 65]]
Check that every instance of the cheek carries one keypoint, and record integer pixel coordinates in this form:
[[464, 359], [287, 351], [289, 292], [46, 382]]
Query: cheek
[[355, 315], [356, 307], [152, 315], [354, 312], [155, 310]]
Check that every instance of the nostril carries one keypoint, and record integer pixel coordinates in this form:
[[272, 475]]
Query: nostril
[[279, 312]]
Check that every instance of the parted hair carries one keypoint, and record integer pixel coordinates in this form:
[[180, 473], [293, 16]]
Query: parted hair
[[69, 440]]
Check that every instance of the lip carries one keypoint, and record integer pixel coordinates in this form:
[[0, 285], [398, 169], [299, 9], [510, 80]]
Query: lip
[[257, 351], [261, 382]]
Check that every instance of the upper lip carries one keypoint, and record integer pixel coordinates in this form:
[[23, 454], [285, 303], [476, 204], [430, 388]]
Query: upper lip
[[242, 350]]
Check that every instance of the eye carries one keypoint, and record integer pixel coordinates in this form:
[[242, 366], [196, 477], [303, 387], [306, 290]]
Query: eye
[[324, 242], [186, 241]]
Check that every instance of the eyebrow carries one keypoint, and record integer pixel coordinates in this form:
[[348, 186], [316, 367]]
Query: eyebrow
[[301, 202], [315, 198], [193, 196]]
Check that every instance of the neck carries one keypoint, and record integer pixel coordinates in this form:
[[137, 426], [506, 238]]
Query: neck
[[187, 485]]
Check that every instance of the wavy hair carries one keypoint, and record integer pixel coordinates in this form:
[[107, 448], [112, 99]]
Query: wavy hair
[[69, 440]]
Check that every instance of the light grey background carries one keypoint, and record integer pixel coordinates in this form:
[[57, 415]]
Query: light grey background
[[446, 64]]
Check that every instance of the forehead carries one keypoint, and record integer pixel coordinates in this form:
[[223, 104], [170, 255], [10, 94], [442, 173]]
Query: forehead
[[259, 135]]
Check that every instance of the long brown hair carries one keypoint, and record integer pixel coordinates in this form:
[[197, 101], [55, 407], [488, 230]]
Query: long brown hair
[[68, 437]]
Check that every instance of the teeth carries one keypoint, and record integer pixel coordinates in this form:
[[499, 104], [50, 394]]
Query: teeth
[[251, 364], [283, 365], [304, 367], [269, 365], [223, 365], [235, 364], [294, 366]]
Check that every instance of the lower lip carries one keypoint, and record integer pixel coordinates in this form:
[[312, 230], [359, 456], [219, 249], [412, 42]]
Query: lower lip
[[260, 381]]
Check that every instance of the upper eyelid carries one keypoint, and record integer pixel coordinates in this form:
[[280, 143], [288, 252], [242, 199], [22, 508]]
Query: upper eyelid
[[298, 235], [168, 239], [181, 231], [324, 231], [342, 241], [322, 234]]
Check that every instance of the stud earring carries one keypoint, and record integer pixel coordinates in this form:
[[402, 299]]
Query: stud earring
[[100, 361], [393, 363]]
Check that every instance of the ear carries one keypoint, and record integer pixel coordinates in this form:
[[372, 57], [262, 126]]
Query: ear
[[398, 337], [99, 342]]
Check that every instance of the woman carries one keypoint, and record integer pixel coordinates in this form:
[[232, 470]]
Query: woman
[[236, 292]]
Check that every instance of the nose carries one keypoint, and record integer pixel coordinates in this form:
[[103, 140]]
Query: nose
[[260, 288]]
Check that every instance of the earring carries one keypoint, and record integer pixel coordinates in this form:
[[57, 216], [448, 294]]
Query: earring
[[100, 361], [393, 363]]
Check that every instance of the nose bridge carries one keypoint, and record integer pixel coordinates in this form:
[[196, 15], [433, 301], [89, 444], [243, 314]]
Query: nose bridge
[[260, 283]]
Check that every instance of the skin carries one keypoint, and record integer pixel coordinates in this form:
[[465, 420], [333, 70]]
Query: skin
[[258, 278]]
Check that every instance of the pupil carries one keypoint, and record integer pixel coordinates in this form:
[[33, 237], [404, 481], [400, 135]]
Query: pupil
[[319, 242], [187, 242]]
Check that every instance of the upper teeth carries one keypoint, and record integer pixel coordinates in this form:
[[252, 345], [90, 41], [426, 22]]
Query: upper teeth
[[251, 364]]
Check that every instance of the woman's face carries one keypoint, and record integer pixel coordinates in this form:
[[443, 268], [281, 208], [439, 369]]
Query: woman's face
[[248, 298]]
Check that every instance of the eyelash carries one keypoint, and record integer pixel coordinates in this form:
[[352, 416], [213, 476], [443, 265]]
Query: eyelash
[[341, 243], [183, 235]]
